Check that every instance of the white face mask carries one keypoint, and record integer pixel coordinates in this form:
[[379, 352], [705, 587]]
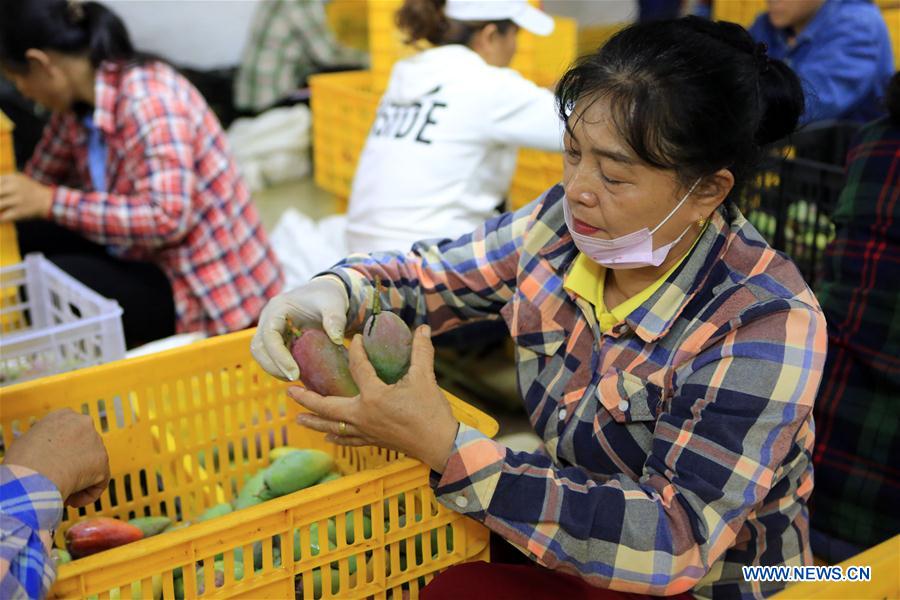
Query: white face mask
[[630, 251]]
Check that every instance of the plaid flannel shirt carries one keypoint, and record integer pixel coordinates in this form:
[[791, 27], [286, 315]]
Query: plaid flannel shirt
[[289, 41], [858, 408], [30, 507], [676, 446], [174, 197]]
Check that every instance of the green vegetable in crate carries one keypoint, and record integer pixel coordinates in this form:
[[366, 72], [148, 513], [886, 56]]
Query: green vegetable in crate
[[254, 492], [218, 510], [98, 534], [324, 366], [60, 556], [151, 526], [387, 340], [297, 470], [277, 453], [330, 477]]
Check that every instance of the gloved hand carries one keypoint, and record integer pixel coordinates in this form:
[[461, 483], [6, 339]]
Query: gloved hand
[[322, 302]]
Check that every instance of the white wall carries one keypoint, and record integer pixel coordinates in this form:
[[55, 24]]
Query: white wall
[[203, 34], [594, 12]]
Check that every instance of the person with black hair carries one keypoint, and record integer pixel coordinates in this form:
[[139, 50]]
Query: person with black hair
[[132, 189], [441, 153], [858, 407], [666, 354]]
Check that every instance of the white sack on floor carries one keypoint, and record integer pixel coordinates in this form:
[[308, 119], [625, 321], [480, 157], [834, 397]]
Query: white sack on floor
[[306, 247], [273, 147]]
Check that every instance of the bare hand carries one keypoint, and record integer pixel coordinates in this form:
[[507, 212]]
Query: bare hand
[[65, 448], [412, 416], [21, 197]]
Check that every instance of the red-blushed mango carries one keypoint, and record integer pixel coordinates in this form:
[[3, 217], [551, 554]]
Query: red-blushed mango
[[387, 340], [98, 534], [324, 366]]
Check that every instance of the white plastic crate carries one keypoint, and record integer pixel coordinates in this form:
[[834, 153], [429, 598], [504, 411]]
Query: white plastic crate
[[51, 323]]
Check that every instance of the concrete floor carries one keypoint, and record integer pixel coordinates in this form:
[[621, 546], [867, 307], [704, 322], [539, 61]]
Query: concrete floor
[[488, 382]]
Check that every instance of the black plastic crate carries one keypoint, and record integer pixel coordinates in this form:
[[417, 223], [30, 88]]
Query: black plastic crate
[[791, 203]]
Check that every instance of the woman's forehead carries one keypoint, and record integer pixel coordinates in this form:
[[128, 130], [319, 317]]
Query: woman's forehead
[[591, 123]]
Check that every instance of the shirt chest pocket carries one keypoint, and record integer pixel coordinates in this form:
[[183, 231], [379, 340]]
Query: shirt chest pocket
[[629, 398]]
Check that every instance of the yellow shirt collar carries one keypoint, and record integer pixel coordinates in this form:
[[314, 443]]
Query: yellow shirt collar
[[586, 278]]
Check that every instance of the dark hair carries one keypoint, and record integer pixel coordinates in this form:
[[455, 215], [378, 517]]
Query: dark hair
[[892, 99], [689, 94], [425, 20], [69, 27]]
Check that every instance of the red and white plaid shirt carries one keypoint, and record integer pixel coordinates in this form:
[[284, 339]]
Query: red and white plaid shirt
[[174, 196]]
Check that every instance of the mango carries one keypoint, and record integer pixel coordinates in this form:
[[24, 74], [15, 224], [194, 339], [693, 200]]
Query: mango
[[61, 556], [387, 340], [151, 526], [218, 510], [276, 453], [98, 534], [297, 470], [324, 366], [330, 477], [254, 491]]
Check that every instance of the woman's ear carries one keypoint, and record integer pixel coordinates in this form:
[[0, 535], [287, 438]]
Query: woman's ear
[[38, 59], [712, 190]]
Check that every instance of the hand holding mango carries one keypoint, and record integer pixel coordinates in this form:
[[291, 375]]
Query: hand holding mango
[[324, 366], [321, 304], [411, 416]]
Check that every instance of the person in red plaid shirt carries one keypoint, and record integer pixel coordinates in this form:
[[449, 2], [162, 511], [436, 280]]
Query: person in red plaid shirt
[[132, 189]]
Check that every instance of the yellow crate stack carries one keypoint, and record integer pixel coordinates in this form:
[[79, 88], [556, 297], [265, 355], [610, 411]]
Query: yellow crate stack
[[344, 104], [742, 12], [9, 245], [347, 19], [184, 429]]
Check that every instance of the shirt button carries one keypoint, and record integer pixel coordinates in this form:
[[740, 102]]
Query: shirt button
[[462, 501], [623, 405], [562, 414]]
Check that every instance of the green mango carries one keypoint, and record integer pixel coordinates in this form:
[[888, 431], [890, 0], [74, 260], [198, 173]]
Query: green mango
[[218, 510], [297, 470], [277, 453], [61, 556], [151, 525], [330, 477], [253, 491]]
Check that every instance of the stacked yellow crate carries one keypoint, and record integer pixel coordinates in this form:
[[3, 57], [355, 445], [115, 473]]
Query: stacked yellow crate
[[344, 104], [743, 12], [9, 246]]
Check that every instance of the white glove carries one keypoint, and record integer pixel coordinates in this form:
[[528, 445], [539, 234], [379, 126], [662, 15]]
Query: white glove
[[322, 302]]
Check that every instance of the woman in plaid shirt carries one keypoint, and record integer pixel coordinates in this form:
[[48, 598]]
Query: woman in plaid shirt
[[667, 356], [132, 189]]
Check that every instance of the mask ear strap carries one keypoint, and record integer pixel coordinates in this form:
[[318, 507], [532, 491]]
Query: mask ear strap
[[677, 206]]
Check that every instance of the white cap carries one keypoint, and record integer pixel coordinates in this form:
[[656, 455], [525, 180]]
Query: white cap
[[518, 11]]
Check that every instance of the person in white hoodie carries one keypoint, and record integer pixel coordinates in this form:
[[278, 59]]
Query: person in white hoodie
[[442, 150]]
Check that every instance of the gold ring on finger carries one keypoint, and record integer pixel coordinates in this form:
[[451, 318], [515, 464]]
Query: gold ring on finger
[[342, 428]]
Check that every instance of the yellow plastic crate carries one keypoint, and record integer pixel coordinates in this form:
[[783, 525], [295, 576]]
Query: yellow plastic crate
[[592, 37], [347, 19], [168, 419], [536, 171], [9, 245], [743, 12], [885, 581], [343, 108]]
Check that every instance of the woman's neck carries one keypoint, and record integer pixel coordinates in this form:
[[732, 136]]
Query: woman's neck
[[622, 284], [82, 76]]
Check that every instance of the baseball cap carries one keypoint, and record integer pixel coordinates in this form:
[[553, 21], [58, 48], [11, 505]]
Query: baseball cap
[[518, 11]]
